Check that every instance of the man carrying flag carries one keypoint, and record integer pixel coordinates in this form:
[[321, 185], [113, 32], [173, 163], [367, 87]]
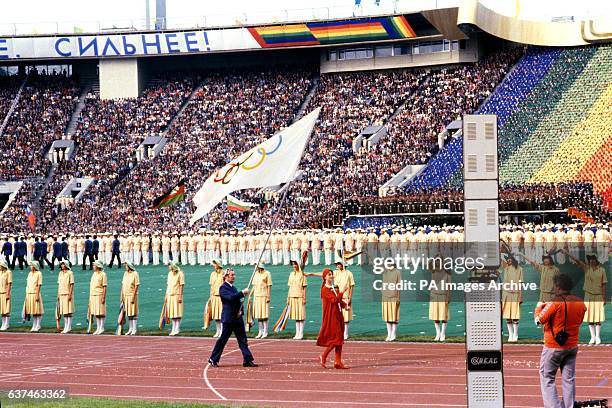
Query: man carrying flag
[[232, 321], [170, 197]]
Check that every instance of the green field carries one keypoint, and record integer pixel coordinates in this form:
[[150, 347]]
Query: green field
[[414, 323], [102, 403]]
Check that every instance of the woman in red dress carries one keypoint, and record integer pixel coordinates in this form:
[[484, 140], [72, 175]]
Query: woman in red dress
[[331, 335]]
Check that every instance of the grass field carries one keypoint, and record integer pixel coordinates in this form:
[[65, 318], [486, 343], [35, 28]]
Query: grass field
[[414, 323], [102, 403]]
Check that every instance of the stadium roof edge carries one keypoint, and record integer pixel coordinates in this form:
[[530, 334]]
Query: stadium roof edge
[[120, 31]]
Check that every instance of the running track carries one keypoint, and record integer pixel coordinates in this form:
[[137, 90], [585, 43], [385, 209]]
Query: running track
[[173, 369]]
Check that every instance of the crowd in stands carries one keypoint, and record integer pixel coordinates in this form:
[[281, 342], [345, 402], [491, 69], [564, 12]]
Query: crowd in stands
[[512, 197], [41, 116], [508, 97], [230, 113], [14, 217], [9, 86], [108, 133], [432, 101], [560, 102]]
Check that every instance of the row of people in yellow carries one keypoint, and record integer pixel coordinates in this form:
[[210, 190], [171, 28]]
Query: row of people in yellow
[[296, 296], [511, 272], [594, 287]]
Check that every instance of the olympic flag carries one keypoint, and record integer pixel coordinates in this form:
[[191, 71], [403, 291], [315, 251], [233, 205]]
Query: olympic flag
[[270, 163]]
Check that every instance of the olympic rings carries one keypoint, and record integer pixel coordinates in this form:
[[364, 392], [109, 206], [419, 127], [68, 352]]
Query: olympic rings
[[280, 142], [233, 168], [262, 151]]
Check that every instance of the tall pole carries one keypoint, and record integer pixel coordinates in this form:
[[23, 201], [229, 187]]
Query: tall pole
[[147, 15], [272, 224]]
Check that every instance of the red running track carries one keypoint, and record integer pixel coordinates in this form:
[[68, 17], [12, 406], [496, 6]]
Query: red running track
[[174, 369]]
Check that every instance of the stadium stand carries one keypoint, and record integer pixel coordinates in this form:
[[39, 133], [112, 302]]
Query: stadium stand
[[231, 112], [108, 134], [41, 116], [548, 102], [8, 89], [543, 108]]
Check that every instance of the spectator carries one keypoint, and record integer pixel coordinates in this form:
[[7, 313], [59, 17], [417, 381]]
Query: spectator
[[563, 314]]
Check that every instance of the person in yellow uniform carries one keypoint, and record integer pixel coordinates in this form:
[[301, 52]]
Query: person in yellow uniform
[[439, 297], [345, 281], [65, 294], [548, 270], [296, 299], [6, 284], [129, 296], [174, 296], [595, 281], [262, 283], [512, 273], [215, 306], [33, 305], [390, 300], [97, 296]]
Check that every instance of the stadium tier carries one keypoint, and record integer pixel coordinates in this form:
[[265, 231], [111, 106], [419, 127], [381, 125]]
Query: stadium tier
[[550, 102], [41, 115]]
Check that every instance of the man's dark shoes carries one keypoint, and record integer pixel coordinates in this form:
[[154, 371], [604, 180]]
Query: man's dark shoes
[[212, 363], [249, 364]]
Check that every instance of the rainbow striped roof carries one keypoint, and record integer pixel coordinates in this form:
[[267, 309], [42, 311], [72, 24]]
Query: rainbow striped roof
[[333, 32]]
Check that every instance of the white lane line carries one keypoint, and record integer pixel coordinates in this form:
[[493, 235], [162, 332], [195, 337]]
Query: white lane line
[[205, 373]]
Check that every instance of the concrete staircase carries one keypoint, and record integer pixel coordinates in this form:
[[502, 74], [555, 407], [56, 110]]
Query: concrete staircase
[[13, 106], [306, 102], [40, 189], [76, 114]]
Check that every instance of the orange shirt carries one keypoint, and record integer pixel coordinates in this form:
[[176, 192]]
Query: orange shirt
[[553, 314]]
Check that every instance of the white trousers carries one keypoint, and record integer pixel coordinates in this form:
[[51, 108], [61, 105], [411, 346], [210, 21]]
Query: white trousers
[[145, 257], [201, 257], [328, 256], [316, 256]]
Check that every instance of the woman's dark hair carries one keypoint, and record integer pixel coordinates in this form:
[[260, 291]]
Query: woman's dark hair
[[563, 282]]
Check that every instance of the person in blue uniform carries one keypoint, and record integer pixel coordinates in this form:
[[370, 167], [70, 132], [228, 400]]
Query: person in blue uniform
[[57, 252], [88, 254], [95, 247], [40, 252], [7, 251], [116, 252], [37, 251], [231, 317], [65, 251], [21, 249]]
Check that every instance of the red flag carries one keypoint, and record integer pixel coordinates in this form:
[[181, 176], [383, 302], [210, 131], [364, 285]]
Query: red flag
[[31, 217]]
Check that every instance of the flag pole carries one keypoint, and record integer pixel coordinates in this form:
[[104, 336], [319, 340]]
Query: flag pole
[[280, 206], [274, 219]]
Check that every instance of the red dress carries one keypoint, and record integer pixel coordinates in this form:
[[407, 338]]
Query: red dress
[[332, 322]]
